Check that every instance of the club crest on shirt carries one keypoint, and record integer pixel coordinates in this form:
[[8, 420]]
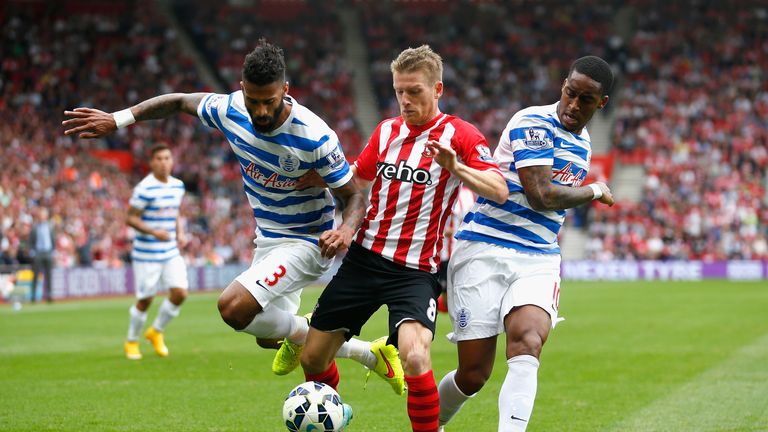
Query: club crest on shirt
[[536, 139], [288, 162], [213, 101], [485, 153]]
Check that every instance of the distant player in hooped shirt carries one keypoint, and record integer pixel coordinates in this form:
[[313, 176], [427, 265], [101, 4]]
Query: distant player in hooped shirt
[[415, 164], [276, 140], [157, 263], [504, 276]]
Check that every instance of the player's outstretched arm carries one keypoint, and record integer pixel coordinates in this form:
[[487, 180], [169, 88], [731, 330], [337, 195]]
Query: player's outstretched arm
[[93, 123], [542, 194], [487, 184], [333, 241]]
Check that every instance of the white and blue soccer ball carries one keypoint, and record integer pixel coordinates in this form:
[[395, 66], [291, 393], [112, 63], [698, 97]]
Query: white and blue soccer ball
[[313, 407]]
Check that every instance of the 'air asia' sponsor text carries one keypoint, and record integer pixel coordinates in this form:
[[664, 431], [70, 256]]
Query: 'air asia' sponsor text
[[273, 181]]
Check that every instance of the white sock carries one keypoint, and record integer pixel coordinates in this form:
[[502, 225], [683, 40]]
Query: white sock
[[136, 323], [518, 393], [168, 311], [451, 397], [299, 330], [358, 350], [275, 323]]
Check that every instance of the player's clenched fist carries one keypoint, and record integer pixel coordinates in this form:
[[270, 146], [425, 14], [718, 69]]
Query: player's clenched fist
[[607, 197], [89, 123], [333, 241]]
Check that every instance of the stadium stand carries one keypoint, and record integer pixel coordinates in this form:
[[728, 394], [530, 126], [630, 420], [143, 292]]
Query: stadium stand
[[86, 53], [498, 56], [310, 36], [690, 109], [693, 110]]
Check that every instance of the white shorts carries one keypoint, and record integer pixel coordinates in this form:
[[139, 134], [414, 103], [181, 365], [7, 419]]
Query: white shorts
[[153, 277], [486, 281], [281, 268]]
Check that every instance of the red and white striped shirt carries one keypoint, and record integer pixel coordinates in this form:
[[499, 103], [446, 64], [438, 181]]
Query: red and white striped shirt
[[412, 195]]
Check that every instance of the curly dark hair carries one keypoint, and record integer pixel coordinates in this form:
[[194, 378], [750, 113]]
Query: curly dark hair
[[265, 64], [597, 69]]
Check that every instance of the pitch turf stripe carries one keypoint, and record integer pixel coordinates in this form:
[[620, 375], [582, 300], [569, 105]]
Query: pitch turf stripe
[[730, 396]]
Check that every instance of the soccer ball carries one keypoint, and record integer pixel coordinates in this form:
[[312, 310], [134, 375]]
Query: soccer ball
[[313, 406]]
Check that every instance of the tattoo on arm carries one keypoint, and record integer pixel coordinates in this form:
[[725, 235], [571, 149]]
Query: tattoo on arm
[[354, 205], [165, 105]]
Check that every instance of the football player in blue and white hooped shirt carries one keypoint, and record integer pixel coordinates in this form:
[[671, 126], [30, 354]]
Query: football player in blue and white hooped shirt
[[505, 274], [276, 141], [157, 263]]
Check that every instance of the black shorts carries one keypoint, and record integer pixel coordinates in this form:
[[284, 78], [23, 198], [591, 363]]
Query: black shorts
[[366, 281]]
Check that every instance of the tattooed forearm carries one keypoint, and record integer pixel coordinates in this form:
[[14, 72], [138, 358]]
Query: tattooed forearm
[[158, 107], [165, 105]]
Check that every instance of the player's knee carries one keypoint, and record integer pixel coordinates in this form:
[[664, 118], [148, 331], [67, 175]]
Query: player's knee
[[178, 296], [232, 314], [144, 304], [470, 381], [314, 362], [524, 343], [416, 361]]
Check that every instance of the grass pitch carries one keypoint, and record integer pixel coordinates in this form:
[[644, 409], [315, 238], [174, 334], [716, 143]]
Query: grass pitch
[[644, 356]]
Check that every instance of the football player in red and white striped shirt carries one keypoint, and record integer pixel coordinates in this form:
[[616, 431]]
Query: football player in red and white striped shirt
[[414, 164]]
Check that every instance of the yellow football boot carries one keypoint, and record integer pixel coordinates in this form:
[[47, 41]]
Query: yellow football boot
[[132, 351], [288, 355], [158, 342], [388, 364]]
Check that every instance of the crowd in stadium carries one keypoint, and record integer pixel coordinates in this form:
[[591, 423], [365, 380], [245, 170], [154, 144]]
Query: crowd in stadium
[[498, 57], [119, 49], [317, 73], [697, 123]]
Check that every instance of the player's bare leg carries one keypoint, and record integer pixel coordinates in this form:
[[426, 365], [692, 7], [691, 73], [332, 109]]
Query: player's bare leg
[[414, 341], [241, 311], [137, 318], [237, 306], [317, 358], [269, 343], [475, 366], [527, 329]]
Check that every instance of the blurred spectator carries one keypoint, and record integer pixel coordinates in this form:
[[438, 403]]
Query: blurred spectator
[[42, 242]]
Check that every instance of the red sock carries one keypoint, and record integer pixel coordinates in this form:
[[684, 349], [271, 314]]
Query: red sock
[[423, 402], [330, 376]]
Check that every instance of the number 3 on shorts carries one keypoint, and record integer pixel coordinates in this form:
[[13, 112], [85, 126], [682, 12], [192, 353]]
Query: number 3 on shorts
[[432, 310], [276, 276]]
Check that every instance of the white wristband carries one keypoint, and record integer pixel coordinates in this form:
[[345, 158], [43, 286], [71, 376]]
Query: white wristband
[[596, 191], [124, 118]]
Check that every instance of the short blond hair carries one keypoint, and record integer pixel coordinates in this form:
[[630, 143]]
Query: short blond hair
[[419, 59]]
